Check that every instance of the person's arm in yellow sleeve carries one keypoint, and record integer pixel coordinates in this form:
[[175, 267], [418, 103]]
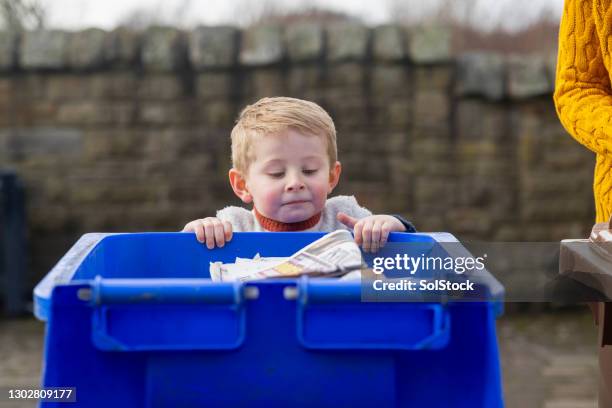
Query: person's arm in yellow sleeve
[[583, 96]]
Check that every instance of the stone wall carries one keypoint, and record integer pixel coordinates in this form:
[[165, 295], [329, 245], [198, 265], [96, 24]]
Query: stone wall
[[127, 131]]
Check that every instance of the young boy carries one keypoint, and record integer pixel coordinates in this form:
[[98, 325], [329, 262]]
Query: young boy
[[284, 160]]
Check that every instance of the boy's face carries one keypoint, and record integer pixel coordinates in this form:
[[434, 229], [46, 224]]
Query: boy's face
[[290, 178]]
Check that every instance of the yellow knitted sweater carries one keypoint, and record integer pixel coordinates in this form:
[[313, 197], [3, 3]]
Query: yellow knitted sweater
[[583, 95]]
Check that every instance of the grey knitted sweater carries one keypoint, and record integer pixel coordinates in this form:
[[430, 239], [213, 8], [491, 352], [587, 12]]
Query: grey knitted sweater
[[244, 220]]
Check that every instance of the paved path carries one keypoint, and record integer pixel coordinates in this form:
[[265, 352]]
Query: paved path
[[548, 359]]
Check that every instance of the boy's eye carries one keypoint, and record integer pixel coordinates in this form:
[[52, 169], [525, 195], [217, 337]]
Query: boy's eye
[[276, 175], [309, 171]]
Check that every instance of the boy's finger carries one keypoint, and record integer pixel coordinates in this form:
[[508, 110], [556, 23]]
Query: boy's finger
[[227, 227], [367, 236], [357, 233], [199, 231], [347, 219], [376, 233], [188, 227], [219, 233], [384, 234], [209, 234]]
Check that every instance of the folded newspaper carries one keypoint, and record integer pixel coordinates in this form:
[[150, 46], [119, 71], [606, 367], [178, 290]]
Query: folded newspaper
[[334, 254]]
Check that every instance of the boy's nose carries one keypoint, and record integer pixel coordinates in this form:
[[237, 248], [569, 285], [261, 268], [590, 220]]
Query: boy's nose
[[295, 184], [296, 187]]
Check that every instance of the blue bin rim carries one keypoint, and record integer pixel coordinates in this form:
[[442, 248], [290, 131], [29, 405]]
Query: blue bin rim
[[63, 272]]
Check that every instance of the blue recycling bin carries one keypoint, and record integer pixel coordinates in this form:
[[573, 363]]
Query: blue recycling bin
[[133, 320]]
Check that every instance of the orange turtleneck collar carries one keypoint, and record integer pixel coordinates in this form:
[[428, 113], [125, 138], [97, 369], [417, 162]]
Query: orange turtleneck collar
[[276, 226]]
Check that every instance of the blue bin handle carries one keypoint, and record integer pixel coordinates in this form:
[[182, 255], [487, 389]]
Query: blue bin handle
[[126, 291], [332, 316], [151, 314]]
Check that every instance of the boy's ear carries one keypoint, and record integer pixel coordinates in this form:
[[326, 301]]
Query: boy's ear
[[238, 183], [334, 176]]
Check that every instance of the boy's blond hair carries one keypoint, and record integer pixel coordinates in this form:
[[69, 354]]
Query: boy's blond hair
[[270, 116]]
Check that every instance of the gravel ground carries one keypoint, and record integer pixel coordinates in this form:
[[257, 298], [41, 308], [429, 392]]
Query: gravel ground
[[549, 359]]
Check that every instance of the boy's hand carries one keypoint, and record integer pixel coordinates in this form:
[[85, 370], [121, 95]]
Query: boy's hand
[[371, 232], [212, 230]]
